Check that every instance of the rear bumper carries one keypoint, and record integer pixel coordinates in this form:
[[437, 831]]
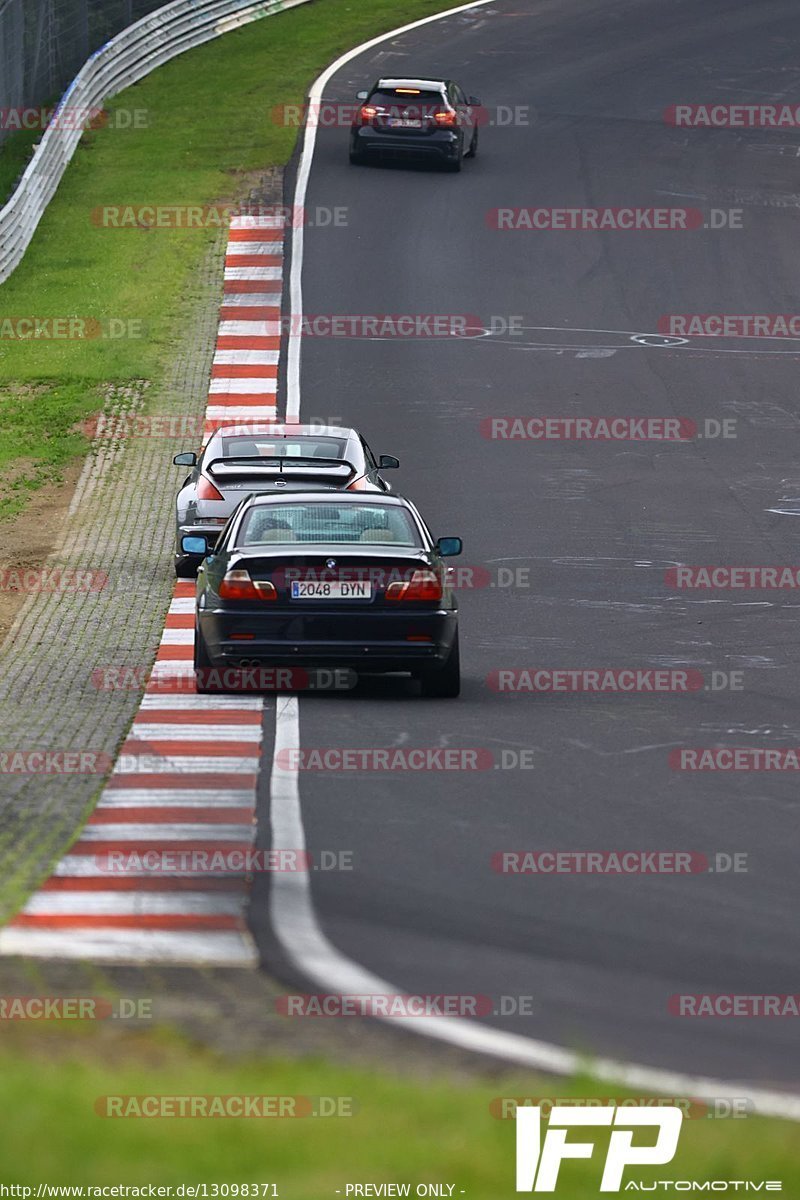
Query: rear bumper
[[443, 144], [377, 641]]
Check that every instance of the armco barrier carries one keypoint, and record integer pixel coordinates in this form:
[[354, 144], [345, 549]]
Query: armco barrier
[[127, 58]]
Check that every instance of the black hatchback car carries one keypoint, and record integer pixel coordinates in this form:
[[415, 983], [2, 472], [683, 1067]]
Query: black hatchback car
[[426, 118], [320, 580]]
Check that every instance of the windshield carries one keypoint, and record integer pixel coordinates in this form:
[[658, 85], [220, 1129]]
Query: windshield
[[264, 446], [354, 524], [409, 103]]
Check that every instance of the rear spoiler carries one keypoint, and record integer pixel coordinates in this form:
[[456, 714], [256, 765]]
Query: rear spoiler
[[277, 466]]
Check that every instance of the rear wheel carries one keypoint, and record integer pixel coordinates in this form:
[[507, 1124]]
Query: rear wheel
[[356, 159], [455, 165], [205, 678], [473, 146], [185, 568], [444, 683]]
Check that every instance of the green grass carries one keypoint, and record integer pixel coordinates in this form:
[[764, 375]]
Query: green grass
[[38, 436], [403, 1130], [208, 129]]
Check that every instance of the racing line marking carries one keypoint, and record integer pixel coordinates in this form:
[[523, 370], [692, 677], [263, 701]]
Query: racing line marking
[[141, 883]]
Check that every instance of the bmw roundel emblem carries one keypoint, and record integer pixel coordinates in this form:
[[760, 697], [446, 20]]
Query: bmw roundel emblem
[[331, 562]]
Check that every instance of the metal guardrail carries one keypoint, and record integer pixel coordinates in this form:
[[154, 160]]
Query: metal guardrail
[[124, 60]]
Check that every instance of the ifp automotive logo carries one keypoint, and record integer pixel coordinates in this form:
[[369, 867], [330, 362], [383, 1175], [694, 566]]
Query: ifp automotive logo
[[539, 1159]]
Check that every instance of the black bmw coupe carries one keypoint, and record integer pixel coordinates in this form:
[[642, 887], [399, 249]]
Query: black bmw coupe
[[316, 580]]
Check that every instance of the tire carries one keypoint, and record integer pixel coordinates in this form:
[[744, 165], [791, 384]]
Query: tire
[[473, 146], [356, 159], [444, 683], [454, 167], [203, 663]]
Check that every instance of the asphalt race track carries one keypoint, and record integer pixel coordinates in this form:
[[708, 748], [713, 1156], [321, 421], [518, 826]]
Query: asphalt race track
[[596, 524]]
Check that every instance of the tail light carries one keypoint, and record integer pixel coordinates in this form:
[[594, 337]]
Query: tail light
[[207, 491], [366, 113], [423, 585], [237, 585], [446, 116]]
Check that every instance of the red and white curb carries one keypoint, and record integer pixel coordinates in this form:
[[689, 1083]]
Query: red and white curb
[[244, 376], [146, 880]]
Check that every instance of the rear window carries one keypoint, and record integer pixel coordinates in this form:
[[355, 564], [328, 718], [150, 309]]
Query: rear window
[[418, 104], [263, 446], [345, 524]]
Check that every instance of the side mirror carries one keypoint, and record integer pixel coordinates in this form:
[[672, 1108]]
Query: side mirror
[[191, 544], [187, 459], [362, 95], [449, 547], [474, 101], [388, 461]]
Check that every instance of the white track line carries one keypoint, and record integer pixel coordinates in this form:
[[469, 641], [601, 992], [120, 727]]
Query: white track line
[[109, 904], [187, 798], [225, 949], [249, 358], [234, 272], [291, 908], [201, 703], [260, 385], [195, 733]]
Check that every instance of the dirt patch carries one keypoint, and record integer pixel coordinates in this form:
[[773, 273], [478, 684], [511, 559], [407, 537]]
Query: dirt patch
[[29, 538], [19, 471]]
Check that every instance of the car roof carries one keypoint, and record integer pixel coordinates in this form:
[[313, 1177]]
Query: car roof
[[328, 497], [431, 85], [260, 429]]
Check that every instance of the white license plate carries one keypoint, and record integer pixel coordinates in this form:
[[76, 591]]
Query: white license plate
[[405, 123], [356, 589]]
